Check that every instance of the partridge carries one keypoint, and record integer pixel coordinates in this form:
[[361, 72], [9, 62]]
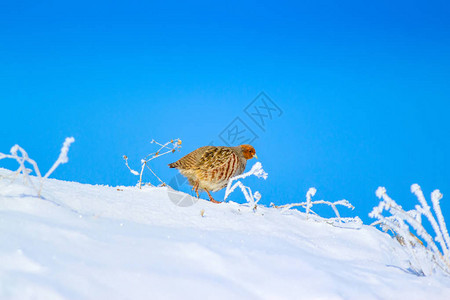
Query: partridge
[[209, 168]]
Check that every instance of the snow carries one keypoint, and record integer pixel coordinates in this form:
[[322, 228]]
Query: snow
[[84, 241]]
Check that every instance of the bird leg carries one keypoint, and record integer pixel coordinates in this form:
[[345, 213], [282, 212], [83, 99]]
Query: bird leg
[[195, 188], [211, 198]]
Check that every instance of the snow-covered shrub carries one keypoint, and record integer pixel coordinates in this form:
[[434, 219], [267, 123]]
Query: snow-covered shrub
[[252, 198], [21, 156], [169, 147], [425, 255], [308, 204]]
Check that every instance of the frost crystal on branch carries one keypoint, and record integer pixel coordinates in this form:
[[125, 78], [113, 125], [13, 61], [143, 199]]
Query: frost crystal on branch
[[62, 159], [425, 255]]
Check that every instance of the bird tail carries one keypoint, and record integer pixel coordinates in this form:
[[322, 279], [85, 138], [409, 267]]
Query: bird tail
[[174, 165]]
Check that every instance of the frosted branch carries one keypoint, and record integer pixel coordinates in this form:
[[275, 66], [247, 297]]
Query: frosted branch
[[400, 221], [436, 196], [252, 198], [425, 210], [21, 156], [309, 203], [62, 158]]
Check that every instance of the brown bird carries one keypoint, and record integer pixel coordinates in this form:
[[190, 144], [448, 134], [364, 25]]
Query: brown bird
[[209, 168]]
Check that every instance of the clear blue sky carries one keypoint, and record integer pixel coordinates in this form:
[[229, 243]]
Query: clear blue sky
[[363, 88]]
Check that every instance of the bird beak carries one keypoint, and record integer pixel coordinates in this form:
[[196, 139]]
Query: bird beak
[[255, 156]]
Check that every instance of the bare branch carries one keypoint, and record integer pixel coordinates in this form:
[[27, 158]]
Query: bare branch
[[169, 147]]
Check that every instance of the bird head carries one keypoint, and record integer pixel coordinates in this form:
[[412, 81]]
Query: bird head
[[248, 151]]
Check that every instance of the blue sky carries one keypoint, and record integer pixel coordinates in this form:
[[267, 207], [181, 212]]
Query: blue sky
[[363, 90]]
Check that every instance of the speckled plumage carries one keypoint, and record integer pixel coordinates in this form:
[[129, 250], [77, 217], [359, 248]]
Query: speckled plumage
[[209, 168]]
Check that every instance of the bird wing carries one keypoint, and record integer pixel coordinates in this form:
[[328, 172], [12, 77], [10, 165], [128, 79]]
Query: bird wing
[[215, 157], [191, 161]]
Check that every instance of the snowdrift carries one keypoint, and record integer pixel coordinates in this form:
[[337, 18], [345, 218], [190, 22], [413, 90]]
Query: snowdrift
[[82, 241]]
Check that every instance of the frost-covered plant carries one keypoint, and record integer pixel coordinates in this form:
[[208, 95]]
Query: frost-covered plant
[[21, 156], [169, 147], [424, 254], [252, 198], [308, 204]]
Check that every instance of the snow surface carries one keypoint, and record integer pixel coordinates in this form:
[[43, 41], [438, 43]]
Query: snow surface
[[98, 242]]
